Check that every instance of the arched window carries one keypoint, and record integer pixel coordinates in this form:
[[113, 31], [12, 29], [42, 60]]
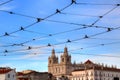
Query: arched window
[[62, 59], [50, 61], [91, 74], [68, 59]]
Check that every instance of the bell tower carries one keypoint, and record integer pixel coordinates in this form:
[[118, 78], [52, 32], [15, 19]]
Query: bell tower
[[52, 60], [65, 57], [65, 62]]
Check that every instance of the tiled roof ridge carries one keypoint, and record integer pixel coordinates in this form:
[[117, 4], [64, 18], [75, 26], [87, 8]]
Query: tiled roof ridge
[[4, 70]]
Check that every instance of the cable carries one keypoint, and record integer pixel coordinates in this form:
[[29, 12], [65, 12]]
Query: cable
[[11, 45], [105, 39], [5, 2], [34, 32], [6, 51], [8, 34], [66, 13], [57, 11], [111, 10], [68, 41], [100, 17], [49, 35], [83, 24], [103, 44], [95, 4], [38, 19], [19, 14], [102, 55], [71, 23]]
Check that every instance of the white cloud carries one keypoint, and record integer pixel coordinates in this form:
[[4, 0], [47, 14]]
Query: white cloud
[[7, 7]]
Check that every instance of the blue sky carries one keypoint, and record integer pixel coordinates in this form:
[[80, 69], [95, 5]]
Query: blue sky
[[36, 59]]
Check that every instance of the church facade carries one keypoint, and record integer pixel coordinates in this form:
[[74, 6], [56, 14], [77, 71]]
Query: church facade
[[64, 67]]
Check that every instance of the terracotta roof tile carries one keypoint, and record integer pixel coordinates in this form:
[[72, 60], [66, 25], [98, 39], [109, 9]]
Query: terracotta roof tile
[[5, 70]]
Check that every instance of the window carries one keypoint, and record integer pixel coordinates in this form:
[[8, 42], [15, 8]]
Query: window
[[68, 67], [56, 70], [8, 75], [87, 78], [112, 75], [100, 74], [91, 79], [13, 76], [91, 73], [62, 59], [104, 74], [49, 69], [86, 73], [68, 59], [50, 61], [82, 79], [96, 73]]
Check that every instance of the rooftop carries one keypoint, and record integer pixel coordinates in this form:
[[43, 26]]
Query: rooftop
[[4, 70], [91, 65]]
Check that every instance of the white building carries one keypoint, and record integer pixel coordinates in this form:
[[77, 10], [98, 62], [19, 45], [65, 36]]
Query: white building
[[96, 72], [7, 73]]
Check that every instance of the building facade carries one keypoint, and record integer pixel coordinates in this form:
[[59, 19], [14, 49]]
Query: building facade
[[61, 68], [7, 73], [34, 75], [81, 71], [96, 73]]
